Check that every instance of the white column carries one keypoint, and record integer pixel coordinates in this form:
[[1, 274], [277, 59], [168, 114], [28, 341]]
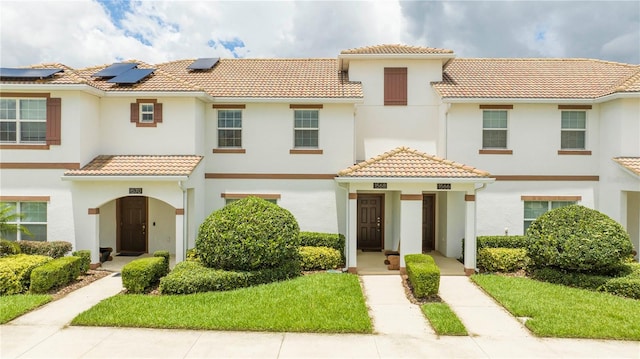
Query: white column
[[410, 225], [180, 249], [94, 222], [352, 232], [470, 234]]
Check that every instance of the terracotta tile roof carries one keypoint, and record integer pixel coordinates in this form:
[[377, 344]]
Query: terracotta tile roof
[[630, 163], [394, 49], [269, 78], [68, 76], [159, 80], [404, 162], [138, 166], [536, 78]]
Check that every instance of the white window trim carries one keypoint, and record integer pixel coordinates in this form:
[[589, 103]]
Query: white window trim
[[496, 129], [18, 121], [317, 129], [143, 112], [584, 130], [20, 222], [229, 128]]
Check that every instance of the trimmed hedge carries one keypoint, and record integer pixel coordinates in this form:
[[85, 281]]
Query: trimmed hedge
[[8, 248], [248, 234], [502, 259], [423, 274], [192, 255], [577, 238], [55, 273], [15, 272], [318, 239], [319, 258], [625, 286], [54, 249], [569, 278], [193, 277], [165, 255], [141, 274], [85, 256], [501, 242]]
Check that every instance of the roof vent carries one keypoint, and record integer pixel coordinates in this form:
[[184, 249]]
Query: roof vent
[[204, 63]]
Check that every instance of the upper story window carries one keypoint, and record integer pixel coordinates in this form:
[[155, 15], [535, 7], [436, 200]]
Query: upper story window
[[23, 120], [306, 128], [574, 129], [29, 215], [494, 129], [146, 112], [229, 128], [395, 86]]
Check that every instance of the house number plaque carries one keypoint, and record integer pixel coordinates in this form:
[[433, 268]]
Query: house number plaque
[[135, 190], [379, 185], [444, 185]]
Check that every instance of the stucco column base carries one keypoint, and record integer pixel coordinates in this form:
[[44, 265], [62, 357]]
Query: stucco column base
[[469, 271], [352, 270], [94, 266], [403, 270]]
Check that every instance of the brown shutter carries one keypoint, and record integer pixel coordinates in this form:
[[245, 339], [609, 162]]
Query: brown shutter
[[395, 86], [135, 112], [157, 112], [54, 115]]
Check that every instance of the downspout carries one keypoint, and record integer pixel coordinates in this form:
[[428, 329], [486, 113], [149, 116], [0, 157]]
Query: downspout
[[184, 222]]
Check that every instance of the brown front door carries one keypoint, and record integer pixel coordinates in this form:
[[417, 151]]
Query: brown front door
[[428, 222], [132, 220], [370, 221]]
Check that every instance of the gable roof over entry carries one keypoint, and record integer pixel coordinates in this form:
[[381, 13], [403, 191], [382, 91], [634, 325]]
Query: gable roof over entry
[[631, 164], [133, 166], [405, 162]]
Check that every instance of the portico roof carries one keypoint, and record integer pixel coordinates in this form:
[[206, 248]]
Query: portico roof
[[138, 166], [631, 164], [407, 163]]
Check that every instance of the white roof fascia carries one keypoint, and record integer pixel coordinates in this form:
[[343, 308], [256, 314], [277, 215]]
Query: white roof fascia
[[617, 95], [196, 94], [51, 87], [417, 180], [496, 100], [625, 169], [107, 178], [300, 100]]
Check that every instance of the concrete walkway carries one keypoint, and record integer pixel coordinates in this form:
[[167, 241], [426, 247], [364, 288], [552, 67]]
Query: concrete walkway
[[401, 332]]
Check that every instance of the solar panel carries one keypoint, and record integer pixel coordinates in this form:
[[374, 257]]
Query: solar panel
[[115, 69], [25, 73], [131, 76], [204, 63]]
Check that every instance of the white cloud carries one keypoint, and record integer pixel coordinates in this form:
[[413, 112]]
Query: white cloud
[[81, 33]]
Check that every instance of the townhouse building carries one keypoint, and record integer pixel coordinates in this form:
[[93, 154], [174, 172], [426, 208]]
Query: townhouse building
[[394, 146]]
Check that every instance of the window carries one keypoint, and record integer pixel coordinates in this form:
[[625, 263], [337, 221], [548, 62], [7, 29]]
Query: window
[[305, 128], [573, 130], [232, 197], [23, 120], [534, 209], [146, 113], [229, 128], [494, 129], [395, 86], [32, 216]]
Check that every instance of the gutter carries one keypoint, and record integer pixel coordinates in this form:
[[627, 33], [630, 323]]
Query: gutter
[[125, 178], [416, 180]]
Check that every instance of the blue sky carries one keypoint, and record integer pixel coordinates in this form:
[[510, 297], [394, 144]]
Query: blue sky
[[90, 32]]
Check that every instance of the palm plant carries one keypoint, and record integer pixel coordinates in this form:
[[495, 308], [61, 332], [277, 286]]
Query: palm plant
[[8, 217]]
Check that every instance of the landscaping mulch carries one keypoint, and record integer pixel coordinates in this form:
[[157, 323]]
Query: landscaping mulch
[[83, 280]]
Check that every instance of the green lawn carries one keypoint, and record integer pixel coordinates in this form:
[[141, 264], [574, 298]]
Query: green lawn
[[559, 311], [443, 320], [331, 303], [13, 306]]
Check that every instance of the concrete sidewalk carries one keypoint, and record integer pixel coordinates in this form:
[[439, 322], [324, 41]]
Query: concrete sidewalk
[[402, 332]]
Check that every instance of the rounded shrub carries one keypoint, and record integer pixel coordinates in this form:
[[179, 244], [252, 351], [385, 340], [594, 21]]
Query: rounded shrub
[[319, 258], [577, 238], [247, 235]]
